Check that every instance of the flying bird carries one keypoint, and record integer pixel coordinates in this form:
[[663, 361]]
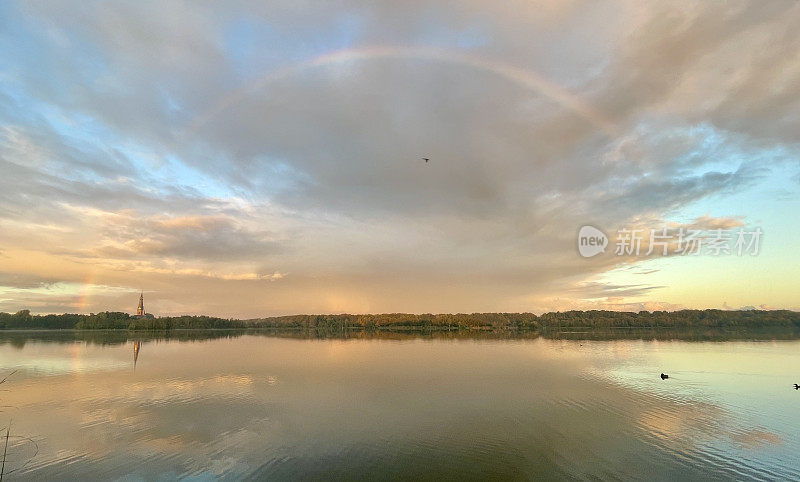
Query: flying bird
[[425, 159]]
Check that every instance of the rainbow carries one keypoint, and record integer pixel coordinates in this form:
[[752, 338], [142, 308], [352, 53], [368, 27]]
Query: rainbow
[[518, 76], [85, 291]]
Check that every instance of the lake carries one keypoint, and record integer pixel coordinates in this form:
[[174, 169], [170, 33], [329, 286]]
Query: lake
[[231, 405]]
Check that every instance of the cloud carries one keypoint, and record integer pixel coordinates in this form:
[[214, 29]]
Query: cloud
[[129, 235], [21, 281], [233, 142], [592, 290], [765, 307], [708, 223]]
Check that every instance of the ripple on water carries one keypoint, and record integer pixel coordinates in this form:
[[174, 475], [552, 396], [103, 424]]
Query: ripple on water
[[285, 410]]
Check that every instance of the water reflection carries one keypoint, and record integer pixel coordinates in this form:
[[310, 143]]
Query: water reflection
[[18, 338], [136, 346], [431, 406]]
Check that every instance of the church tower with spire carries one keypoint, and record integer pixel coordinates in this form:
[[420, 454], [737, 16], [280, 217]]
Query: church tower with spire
[[140, 309], [140, 313]]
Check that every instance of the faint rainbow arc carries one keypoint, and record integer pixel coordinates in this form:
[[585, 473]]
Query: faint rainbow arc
[[516, 75], [85, 292]]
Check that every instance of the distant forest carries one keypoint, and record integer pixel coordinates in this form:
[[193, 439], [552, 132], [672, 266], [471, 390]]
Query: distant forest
[[23, 320]]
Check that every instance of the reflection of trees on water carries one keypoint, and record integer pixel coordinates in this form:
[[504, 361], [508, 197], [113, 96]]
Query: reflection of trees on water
[[683, 334], [18, 339], [598, 334]]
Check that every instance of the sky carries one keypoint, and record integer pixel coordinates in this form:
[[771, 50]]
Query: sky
[[249, 159]]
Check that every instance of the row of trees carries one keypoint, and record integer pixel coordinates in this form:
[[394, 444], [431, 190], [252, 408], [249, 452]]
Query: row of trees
[[185, 323], [399, 320], [111, 320], [682, 318], [335, 323], [520, 321]]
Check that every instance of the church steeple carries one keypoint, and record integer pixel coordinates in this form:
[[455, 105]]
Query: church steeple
[[140, 309]]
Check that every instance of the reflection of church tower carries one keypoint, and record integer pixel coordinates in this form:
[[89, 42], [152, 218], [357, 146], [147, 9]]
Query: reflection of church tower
[[136, 346]]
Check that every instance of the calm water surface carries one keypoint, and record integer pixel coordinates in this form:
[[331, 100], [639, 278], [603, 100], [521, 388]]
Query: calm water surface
[[267, 407]]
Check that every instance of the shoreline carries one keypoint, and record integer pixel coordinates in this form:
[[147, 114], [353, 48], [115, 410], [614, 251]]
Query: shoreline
[[599, 334]]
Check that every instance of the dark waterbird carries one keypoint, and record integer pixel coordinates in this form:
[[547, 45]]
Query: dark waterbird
[[664, 376], [796, 386]]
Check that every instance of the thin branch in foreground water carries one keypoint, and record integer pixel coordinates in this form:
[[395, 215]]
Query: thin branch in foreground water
[[8, 432], [5, 450], [6, 377]]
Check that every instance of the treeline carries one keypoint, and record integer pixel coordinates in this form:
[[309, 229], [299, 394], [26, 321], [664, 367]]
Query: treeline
[[323, 324], [111, 320], [527, 321], [670, 319], [185, 323], [398, 320]]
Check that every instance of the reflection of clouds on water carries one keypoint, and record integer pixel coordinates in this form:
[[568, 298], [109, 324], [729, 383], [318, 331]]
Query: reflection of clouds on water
[[285, 408], [224, 465], [205, 423], [683, 425], [153, 391], [755, 438], [724, 402], [60, 366]]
